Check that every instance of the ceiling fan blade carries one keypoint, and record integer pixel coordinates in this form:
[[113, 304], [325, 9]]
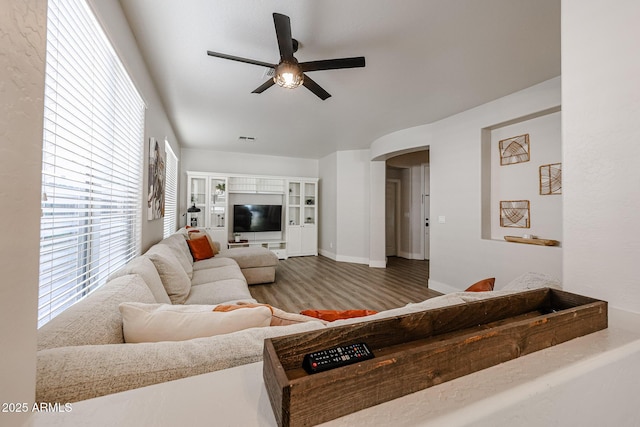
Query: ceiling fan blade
[[266, 85], [332, 64], [283, 34], [239, 59], [315, 88]]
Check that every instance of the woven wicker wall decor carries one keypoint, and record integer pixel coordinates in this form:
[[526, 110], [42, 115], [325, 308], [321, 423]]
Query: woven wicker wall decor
[[514, 150], [551, 179], [515, 214]]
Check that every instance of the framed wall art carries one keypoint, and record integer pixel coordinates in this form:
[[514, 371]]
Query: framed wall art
[[514, 150], [155, 195], [515, 214], [551, 179]]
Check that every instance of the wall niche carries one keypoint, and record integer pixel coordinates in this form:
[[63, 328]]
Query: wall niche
[[520, 180]]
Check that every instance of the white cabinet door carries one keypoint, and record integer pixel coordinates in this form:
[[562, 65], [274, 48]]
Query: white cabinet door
[[294, 240], [309, 239], [302, 217]]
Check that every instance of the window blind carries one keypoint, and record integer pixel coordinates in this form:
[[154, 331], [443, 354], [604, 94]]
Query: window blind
[[170, 191], [91, 163]]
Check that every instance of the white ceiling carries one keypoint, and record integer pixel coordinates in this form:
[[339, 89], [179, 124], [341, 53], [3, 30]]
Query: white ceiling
[[425, 60]]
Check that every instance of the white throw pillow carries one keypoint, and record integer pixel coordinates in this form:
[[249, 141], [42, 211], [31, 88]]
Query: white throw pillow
[[166, 322]]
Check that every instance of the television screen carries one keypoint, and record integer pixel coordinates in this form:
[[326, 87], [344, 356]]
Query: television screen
[[256, 218]]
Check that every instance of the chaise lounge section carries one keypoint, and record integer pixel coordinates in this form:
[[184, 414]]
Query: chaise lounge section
[[258, 265]]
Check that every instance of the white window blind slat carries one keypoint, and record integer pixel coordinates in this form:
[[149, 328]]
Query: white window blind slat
[[170, 191], [92, 160]]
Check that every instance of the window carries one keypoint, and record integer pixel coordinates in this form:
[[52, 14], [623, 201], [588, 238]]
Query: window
[[170, 191], [91, 163]]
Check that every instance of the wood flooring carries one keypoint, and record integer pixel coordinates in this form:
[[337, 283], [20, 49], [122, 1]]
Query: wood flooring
[[317, 282]]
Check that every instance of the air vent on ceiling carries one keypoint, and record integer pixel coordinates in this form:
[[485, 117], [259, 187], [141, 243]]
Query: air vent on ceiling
[[246, 138], [268, 73]]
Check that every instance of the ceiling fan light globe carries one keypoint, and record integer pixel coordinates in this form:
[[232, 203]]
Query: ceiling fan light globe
[[288, 75]]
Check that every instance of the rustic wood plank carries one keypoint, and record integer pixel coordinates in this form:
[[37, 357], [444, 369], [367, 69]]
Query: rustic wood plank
[[423, 349]]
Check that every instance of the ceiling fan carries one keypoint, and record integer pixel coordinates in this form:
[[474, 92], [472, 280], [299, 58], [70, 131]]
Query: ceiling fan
[[289, 73]]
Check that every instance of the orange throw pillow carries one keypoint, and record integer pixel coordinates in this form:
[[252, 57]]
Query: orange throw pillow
[[482, 286], [331, 315], [200, 249], [200, 234]]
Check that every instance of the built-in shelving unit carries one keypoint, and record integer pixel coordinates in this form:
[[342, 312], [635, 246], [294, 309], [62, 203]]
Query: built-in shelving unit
[[302, 213], [208, 204], [211, 197]]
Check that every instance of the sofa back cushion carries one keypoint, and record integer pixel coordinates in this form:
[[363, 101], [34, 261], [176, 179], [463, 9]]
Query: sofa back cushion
[[144, 267], [178, 245], [174, 278], [96, 319]]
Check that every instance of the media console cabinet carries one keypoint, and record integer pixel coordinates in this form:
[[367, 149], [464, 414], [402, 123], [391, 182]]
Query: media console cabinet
[[212, 196], [278, 247]]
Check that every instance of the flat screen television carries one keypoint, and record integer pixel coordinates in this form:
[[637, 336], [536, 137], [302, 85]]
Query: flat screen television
[[257, 218]]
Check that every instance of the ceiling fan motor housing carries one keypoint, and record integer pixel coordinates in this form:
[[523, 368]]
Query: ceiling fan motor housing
[[288, 74]]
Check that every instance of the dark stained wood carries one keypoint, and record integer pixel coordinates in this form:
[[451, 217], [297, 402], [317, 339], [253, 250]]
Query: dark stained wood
[[420, 350], [320, 283]]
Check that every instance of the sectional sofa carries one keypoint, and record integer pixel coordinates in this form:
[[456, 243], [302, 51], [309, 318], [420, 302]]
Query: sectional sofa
[[145, 325]]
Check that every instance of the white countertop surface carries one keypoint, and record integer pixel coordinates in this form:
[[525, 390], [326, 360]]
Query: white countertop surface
[[591, 380]]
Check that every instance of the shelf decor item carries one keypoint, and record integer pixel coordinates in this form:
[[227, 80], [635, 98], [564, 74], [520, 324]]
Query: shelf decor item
[[532, 241], [514, 213], [514, 150], [551, 179]]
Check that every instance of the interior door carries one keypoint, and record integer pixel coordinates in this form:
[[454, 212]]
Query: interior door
[[426, 227], [426, 208], [391, 218]]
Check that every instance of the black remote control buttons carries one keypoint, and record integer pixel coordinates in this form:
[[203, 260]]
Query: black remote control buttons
[[335, 357]]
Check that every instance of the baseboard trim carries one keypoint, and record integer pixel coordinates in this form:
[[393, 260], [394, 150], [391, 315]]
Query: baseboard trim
[[378, 264], [442, 287], [328, 254], [352, 259], [410, 255]]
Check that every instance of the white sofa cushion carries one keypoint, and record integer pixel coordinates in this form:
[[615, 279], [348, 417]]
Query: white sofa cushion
[[174, 278], [144, 267], [166, 322], [226, 291], [217, 273], [178, 245], [96, 319], [212, 263]]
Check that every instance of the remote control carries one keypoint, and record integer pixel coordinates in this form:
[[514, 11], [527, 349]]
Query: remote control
[[335, 357]]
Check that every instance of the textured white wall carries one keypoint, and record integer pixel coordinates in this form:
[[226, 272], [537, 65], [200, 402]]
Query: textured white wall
[[455, 171], [257, 164], [376, 204], [601, 134], [352, 206], [22, 55], [327, 209]]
